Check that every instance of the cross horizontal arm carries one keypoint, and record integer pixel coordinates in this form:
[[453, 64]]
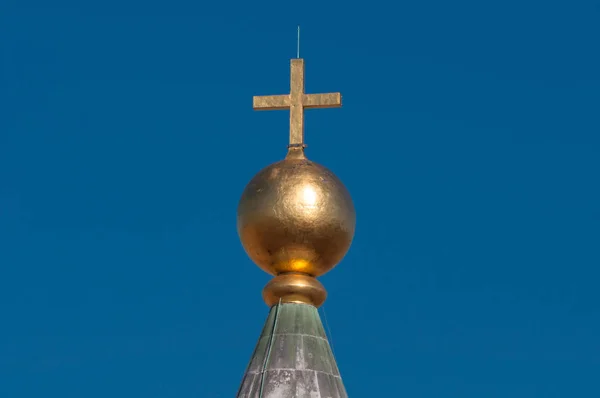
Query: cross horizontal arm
[[329, 100], [270, 102]]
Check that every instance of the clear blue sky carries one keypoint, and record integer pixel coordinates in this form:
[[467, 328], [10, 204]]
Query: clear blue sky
[[469, 139]]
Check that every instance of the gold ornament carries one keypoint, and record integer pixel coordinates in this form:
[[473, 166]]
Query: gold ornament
[[296, 219]]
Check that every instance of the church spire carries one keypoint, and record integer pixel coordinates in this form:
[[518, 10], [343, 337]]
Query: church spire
[[296, 221]]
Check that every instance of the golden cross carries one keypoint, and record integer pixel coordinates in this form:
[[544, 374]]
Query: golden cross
[[296, 101]]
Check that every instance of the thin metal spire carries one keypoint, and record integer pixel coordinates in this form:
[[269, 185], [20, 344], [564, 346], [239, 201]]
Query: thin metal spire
[[298, 47]]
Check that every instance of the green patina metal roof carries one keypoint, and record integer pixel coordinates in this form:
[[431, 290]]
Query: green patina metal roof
[[293, 358]]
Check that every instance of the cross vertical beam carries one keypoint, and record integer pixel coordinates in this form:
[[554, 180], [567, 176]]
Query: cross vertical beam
[[296, 103]]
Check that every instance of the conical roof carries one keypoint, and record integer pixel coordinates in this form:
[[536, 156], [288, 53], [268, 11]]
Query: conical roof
[[293, 358]]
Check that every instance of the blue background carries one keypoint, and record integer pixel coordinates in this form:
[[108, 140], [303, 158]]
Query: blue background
[[468, 139]]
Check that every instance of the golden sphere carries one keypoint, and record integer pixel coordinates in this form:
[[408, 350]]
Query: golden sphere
[[296, 216]]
